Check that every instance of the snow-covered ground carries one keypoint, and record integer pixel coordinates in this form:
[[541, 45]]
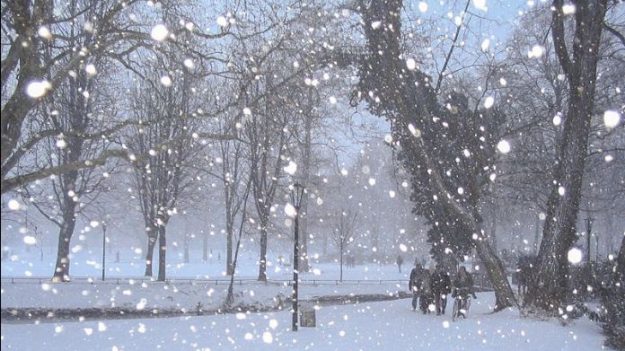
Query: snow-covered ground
[[387, 325], [192, 283], [174, 295]]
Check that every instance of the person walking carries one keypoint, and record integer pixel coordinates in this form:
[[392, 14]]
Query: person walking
[[400, 261], [413, 284], [441, 286], [463, 287], [425, 291]]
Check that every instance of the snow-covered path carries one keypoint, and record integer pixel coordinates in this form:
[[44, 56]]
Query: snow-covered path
[[367, 326]]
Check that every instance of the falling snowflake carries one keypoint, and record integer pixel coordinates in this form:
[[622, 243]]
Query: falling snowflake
[[188, 63], [480, 5], [166, 81], [423, 6], [90, 69], [38, 88], [267, 337], [574, 255], [411, 64], [14, 205], [290, 210], [568, 9], [611, 119], [503, 146], [485, 45], [159, 32], [44, 32], [489, 102], [61, 144], [222, 21], [291, 168], [537, 51]]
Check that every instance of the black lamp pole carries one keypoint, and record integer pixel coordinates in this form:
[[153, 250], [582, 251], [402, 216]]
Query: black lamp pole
[[297, 194], [588, 233]]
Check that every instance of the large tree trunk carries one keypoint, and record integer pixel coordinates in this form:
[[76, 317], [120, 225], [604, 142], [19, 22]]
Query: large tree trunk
[[548, 290], [61, 268], [162, 253]]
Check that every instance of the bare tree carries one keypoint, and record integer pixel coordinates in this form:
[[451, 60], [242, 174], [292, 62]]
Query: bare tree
[[167, 136], [75, 111], [548, 290], [343, 233]]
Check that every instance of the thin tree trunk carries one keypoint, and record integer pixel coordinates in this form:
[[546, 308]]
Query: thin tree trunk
[[341, 261], [149, 255], [262, 267], [162, 253], [493, 226], [229, 242]]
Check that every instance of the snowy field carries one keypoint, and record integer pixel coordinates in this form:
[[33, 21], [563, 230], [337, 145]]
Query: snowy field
[[88, 264], [367, 326], [28, 285]]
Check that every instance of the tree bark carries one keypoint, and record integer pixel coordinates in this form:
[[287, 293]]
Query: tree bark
[[229, 243], [409, 102], [149, 255], [548, 290], [262, 265], [162, 253], [61, 268]]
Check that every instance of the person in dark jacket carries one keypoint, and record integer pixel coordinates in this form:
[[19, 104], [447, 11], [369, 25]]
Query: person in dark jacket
[[441, 286], [463, 284], [425, 291], [413, 283], [463, 287]]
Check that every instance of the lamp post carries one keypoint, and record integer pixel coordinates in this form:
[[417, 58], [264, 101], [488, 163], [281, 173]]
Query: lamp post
[[588, 233], [297, 195]]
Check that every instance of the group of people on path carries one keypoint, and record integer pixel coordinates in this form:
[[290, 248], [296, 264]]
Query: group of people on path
[[431, 287]]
